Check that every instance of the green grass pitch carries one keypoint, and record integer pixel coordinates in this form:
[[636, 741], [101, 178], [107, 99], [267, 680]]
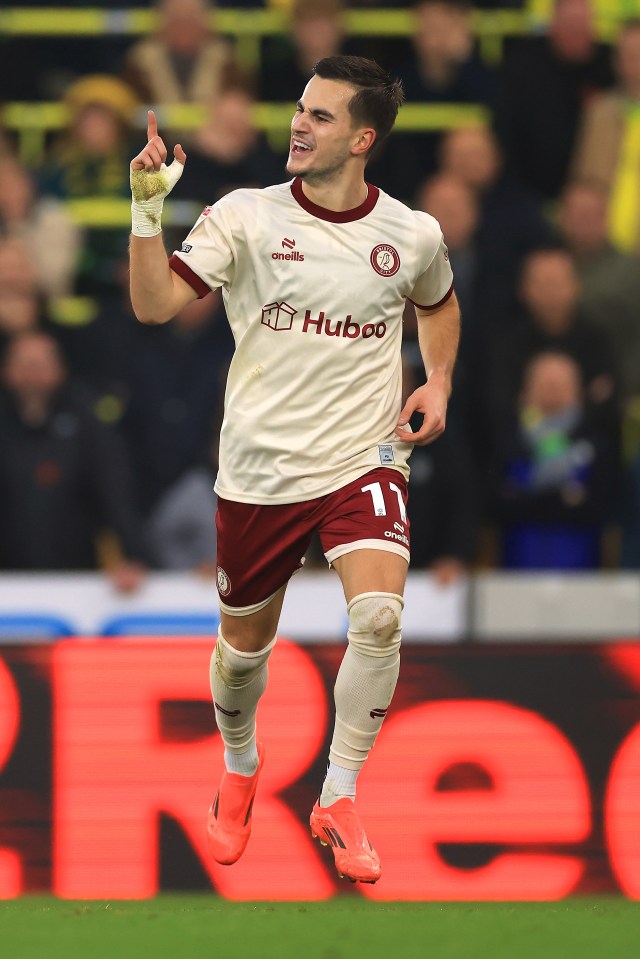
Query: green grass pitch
[[343, 928]]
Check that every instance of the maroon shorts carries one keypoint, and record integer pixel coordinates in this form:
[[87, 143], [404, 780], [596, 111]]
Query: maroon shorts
[[260, 547]]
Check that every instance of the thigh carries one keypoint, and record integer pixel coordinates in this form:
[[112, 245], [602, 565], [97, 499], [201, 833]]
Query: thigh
[[369, 516], [258, 550], [371, 571]]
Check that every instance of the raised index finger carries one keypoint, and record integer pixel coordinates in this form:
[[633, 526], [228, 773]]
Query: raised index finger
[[152, 125]]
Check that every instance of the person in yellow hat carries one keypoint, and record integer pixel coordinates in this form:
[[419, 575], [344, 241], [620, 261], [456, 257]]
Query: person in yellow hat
[[87, 161]]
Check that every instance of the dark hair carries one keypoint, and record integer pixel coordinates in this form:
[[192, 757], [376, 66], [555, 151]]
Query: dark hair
[[378, 96]]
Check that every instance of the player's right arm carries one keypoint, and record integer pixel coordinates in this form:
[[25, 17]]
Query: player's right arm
[[157, 293]]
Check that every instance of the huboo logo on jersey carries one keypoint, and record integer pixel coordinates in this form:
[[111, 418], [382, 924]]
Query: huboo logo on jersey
[[293, 254], [385, 259], [279, 316]]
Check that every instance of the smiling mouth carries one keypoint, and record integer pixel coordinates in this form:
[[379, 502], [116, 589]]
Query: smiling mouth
[[299, 148]]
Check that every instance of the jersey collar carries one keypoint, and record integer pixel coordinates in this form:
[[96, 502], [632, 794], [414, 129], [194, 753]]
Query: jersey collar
[[344, 216]]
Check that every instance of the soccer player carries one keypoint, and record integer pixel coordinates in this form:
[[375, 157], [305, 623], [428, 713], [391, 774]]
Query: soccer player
[[315, 274]]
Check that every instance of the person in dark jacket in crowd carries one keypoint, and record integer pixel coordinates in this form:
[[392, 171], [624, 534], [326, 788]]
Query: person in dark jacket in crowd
[[443, 504], [556, 474], [64, 475], [176, 398], [545, 82], [550, 320]]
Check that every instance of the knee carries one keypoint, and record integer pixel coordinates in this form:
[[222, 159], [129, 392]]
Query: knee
[[374, 622], [235, 667]]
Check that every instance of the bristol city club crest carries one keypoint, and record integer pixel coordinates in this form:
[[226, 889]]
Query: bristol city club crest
[[224, 583], [385, 259]]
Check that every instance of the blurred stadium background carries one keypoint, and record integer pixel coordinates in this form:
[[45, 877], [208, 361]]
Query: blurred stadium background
[[520, 682]]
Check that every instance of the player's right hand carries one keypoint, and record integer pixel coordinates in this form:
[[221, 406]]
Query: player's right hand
[[150, 177]]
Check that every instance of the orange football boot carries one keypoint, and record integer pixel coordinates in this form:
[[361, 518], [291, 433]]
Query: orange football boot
[[229, 819], [339, 825]]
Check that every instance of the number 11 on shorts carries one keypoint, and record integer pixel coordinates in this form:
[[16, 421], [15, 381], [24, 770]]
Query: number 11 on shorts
[[377, 497]]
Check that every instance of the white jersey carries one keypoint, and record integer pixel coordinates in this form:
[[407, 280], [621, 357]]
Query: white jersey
[[315, 302]]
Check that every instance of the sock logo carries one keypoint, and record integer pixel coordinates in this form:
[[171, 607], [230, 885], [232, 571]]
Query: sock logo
[[228, 712], [379, 713]]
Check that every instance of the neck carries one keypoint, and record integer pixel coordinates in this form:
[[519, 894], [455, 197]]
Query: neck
[[337, 194]]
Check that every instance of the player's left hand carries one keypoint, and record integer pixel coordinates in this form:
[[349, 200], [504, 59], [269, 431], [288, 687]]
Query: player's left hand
[[430, 400]]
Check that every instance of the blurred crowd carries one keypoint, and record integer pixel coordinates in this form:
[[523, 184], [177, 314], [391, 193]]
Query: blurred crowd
[[108, 429]]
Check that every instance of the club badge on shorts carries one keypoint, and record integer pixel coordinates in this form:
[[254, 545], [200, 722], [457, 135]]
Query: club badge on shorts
[[224, 583]]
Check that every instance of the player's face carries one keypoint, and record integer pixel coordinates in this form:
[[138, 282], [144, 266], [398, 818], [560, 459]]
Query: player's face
[[322, 131]]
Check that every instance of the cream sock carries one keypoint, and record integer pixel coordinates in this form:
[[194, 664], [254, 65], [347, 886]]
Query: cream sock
[[364, 688], [238, 680]]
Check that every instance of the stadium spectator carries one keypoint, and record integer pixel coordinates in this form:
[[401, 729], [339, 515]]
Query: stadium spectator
[[64, 476], [184, 61], [177, 385], [89, 161], [608, 146], [609, 279], [180, 534], [455, 205], [22, 311], [42, 225], [100, 350], [549, 292], [510, 224], [228, 152], [85, 160], [18, 272], [556, 472], [444, 68], [443, 505], [315, 31], [544, 83]]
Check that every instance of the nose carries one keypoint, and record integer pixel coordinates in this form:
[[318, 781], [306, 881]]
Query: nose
[[300, 121]]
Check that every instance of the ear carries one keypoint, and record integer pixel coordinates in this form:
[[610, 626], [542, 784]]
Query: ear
[[363, 142]]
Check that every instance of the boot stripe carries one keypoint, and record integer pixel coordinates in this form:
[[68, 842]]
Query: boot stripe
[[339, 841], [329, 835]]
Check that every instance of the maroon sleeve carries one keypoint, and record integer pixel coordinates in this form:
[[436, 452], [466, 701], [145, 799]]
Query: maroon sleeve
[[434, 306], [186, 273]]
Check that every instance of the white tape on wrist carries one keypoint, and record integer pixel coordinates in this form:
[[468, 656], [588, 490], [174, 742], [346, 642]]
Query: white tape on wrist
[[148, 191], [146, 217]]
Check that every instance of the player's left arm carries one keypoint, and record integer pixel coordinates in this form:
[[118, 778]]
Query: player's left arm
[[438, 336]]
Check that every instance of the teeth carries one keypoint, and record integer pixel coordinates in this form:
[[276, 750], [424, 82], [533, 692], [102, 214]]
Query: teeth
[[300, 145]]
